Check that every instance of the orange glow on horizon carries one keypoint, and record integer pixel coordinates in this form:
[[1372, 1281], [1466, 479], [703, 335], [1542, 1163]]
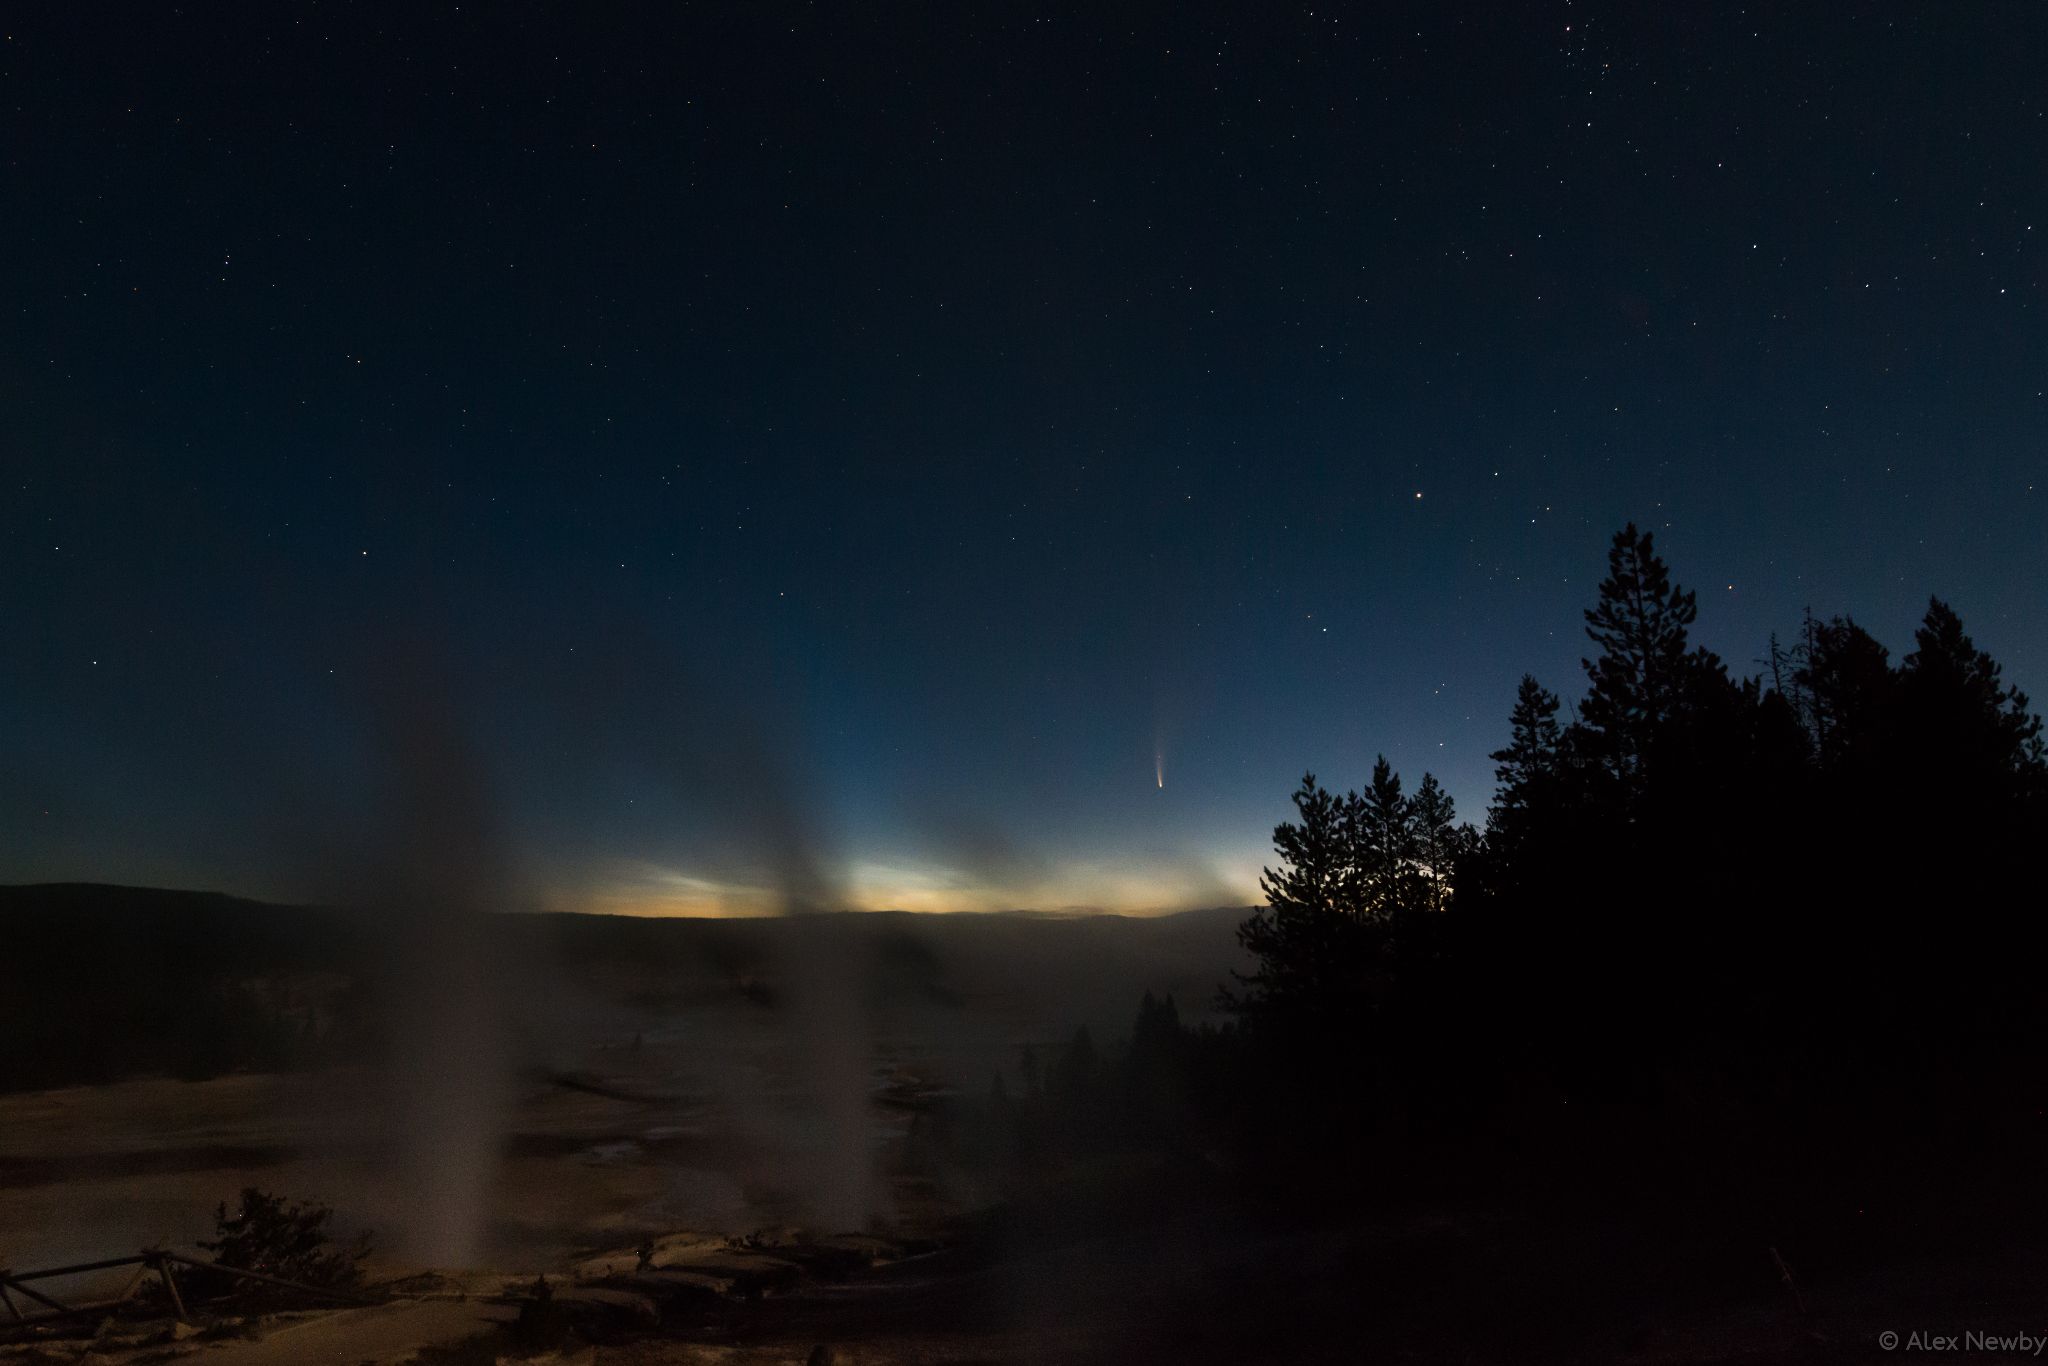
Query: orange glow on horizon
[[1136, 888]]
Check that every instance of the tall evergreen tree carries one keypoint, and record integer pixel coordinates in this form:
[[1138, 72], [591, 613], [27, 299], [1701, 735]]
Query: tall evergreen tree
[[1846, 684], [1303, 935], [1386, 835], [1962, 710], [1638, 678], [1437, 842], [1531, 758], [1529, 786]]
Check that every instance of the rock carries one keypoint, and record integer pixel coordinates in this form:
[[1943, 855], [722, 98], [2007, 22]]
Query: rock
[[822, 1355], [581, 1355], [611, 1305]]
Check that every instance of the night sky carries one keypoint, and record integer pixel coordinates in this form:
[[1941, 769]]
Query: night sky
[[993, 449]]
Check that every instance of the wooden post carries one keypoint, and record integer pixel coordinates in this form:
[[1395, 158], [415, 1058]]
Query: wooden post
[[38, 1296], [246, 1275], [100, 1329], [155, 1259], [163, 1269]]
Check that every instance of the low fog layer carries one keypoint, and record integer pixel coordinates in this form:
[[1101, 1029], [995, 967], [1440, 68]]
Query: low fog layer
[[693, 1045]]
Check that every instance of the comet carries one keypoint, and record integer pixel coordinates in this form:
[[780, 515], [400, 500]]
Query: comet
[[1159, 768]]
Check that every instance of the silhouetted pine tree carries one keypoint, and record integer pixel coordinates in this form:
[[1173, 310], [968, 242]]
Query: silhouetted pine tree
[[1386, 835], [1157, 1028], [1437, 842], [1527, 769], [1964, 719], [1639, 624], [1305, 936], [1526, 823], [1849, 691], [1074, 1074], [1158, 1065], [1785, 748], [1802, 897]]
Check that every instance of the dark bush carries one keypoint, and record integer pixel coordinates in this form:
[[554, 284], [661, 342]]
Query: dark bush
[[265, 1234]]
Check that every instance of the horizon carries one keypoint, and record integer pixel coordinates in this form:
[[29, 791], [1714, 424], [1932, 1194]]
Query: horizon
[[1044, 912], [1182, 682], [969, 488]]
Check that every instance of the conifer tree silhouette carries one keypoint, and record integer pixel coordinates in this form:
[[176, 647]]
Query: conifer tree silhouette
[[1386, 837], [1300, 937], [1962, 711], [1437, 844], [1640, 625], [1530, 761]]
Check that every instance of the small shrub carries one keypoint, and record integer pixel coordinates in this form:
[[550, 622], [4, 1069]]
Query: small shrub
[[266, 1235]]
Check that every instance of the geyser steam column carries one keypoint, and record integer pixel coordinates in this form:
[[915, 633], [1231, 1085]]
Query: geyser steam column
[[449, 1079], [830, 1035], [729, 756], [834, 1070], [441, 875]]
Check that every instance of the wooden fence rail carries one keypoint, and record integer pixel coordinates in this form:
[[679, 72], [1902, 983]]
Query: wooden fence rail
[[149, 1259]]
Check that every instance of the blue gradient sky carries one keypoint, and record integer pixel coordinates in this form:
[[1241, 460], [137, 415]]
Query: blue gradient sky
[[879, 440]]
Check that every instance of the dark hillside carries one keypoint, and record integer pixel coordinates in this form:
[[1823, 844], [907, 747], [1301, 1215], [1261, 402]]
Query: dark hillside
[[102, 982]]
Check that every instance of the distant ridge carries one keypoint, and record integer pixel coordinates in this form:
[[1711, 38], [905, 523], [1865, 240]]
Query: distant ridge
[[100, 981], [127, 897]]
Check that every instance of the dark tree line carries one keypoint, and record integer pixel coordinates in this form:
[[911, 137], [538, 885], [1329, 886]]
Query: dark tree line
[[1361, 877], [1811, 891]]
